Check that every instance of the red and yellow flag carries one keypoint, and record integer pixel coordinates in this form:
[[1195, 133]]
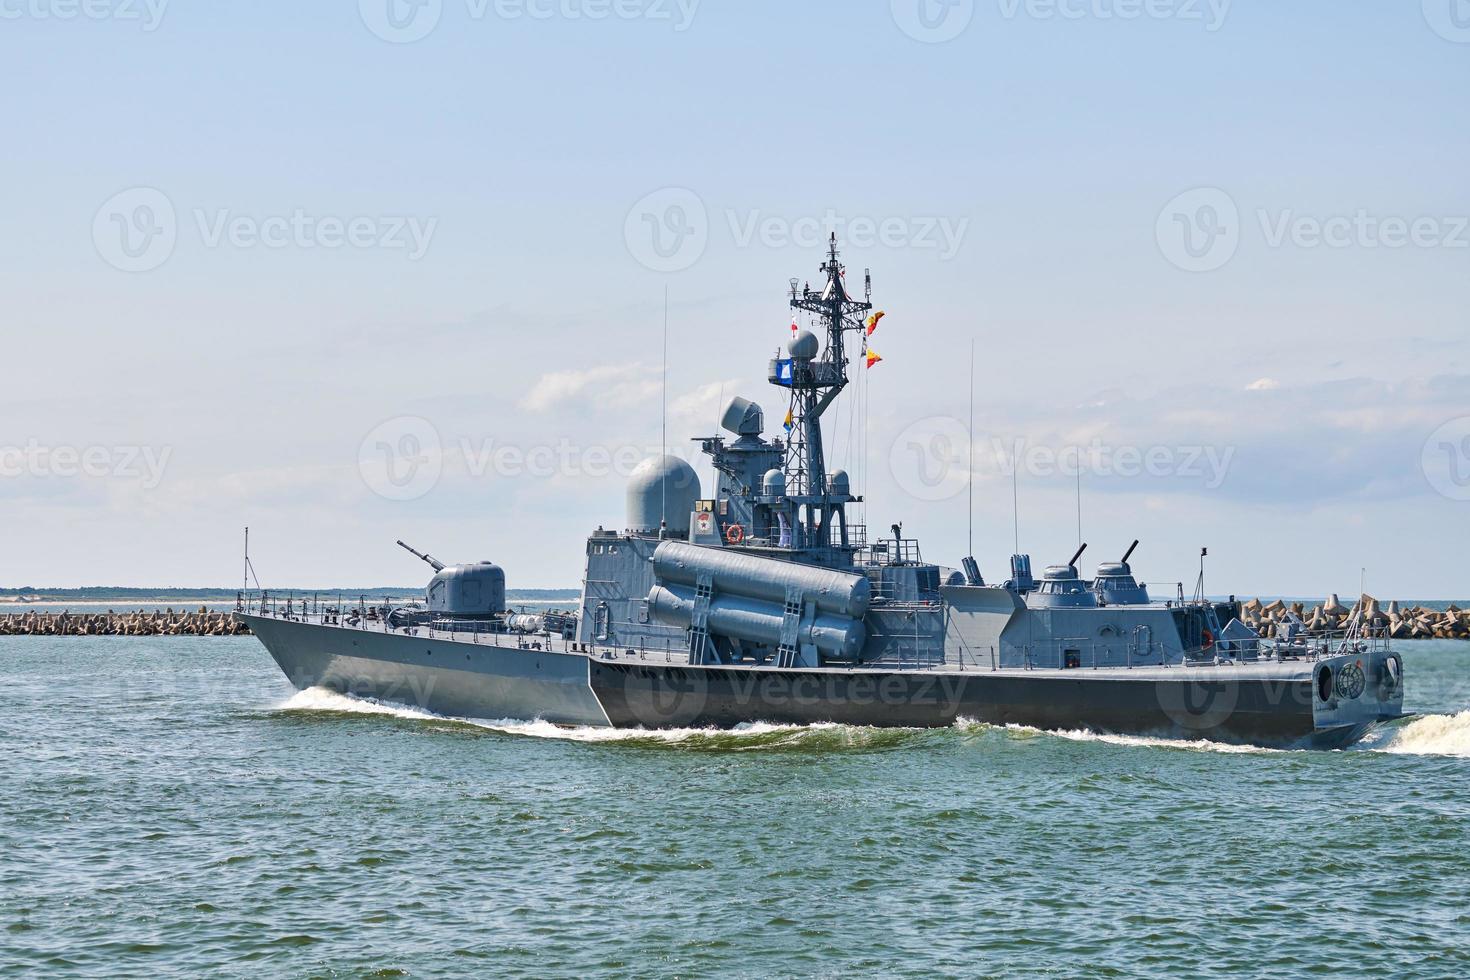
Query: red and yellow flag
[[873, 321], [873, 357]]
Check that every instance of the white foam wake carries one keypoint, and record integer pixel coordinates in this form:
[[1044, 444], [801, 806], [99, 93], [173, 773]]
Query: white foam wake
[[322, 699], [1430, 735], [325, 700], [1140, 741], [1446, 735]]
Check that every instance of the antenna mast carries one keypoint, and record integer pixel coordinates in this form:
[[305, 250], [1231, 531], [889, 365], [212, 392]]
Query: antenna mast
[[1015, 502], [817, 377], [970, 453], [249, 569], [663, 507]]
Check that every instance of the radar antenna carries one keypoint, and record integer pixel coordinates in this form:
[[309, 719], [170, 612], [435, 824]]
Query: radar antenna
[[816, 379]]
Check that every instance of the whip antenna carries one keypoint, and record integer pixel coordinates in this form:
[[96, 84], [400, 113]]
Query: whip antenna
[[663, 507], [970, 454]]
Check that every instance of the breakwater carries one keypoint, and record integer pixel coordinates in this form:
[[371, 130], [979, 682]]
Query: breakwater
[[155, 622], [1401, 623]]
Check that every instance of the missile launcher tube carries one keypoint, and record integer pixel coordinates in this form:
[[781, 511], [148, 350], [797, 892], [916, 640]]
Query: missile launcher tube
[[744, 618], [767, 579]]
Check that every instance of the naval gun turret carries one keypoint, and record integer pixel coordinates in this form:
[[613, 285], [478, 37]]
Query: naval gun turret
[[1062, 587], [472, 591], [1115, 584]]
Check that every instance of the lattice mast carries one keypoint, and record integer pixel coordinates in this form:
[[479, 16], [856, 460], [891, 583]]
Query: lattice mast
[[817, 381]]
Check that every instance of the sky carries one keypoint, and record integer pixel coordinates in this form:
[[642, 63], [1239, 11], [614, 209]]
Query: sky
[[359, 270]]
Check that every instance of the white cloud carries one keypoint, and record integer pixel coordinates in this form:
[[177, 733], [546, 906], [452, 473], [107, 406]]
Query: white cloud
[[617, 385], [697, 412]]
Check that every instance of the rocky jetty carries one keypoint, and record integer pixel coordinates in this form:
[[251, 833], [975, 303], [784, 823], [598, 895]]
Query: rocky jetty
[[1412, 623], [165, 622]]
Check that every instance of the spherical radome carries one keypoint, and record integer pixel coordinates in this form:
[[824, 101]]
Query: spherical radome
[[662, 489]]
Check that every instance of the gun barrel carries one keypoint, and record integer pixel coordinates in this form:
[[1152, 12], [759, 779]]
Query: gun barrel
[[434, 563], [1129, 552], [1077, 555]]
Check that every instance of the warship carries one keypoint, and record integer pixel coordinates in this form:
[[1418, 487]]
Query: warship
[[764, 600]]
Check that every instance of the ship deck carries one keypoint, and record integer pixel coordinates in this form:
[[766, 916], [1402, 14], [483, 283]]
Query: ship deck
[[532, 643]]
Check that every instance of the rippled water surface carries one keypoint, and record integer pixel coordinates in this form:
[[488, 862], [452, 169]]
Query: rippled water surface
[[169, 806]]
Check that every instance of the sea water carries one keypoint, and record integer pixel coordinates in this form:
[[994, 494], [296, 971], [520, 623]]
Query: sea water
[[169, 806]]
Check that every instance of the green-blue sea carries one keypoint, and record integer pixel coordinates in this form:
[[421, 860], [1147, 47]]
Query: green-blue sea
[[170, 807]]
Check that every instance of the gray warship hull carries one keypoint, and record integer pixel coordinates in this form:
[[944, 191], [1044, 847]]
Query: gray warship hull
[[1275, 704], [445, 676]]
